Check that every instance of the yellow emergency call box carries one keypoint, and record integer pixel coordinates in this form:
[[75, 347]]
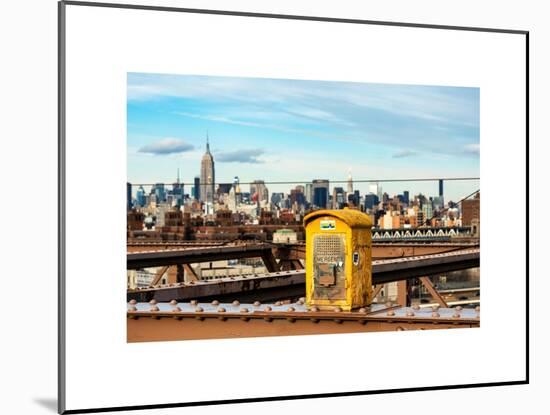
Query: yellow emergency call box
[[338, 259]]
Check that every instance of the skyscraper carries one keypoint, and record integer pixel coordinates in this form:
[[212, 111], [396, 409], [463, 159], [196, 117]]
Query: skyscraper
[[338, 198], [320, 193], [128, 196], [158, 191], [258, 188], [177, 191], [140, 196], [197, 188], [350, 183], [208, 178]]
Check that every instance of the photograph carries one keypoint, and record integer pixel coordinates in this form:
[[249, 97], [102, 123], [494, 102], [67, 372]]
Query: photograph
[[277, 207]]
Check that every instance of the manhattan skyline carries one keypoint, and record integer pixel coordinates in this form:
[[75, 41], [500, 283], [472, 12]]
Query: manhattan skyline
[[295, 131]]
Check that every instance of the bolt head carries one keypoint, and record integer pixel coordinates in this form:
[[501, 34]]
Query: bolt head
[[199, 309], [155, 308], [268, 308], [363, 310], [291, 309], [236, 303], [389, 304], [390, 313], [133, 302], [257, 304], [416, 307], [153, 302], [193, 302], [456, 315], [477, 309], [314, 309], [221, 310], [244, 310], [458, 308], [337, 309], [215, 302], [435, 314], [410, 313], [435, 307], [173, 302], [302, 299], [132, 309], [278, 303]]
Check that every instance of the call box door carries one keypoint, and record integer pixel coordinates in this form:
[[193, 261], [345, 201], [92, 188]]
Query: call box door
[[329, 266]]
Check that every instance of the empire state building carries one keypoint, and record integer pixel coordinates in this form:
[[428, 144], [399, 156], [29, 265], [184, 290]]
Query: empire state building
[[208, 177]]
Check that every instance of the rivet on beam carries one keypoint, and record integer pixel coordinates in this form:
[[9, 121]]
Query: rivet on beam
[[173, 302], [215, 302], [133, 302], [435, 307], [477, 308], [390, 313], [410, 313], [244, 310], [257, 304], [154, 308], [193, 302], [199, 310], [337, 309], [153, 302], [176, 309], [416, 307], [314, 309], [456, 314], [389, 304], [458, 308], [268, 308], [132, 309], [435, 314], [236, 303], [278, 303]]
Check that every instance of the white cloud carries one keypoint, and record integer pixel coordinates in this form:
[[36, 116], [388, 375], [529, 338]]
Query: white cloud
[[167, 146]]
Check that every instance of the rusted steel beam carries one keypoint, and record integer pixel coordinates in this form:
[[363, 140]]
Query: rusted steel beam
[[390, 270], [382, 272], [296, 264], [232, 287], [191, 275], [269, 261], [376, 290], [136, 260], [161, 322], [380, 250], [431, 289], [402, 293], [158, 275]]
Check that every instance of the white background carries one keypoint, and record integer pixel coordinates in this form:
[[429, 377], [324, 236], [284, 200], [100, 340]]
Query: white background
[[30, 228], [182, 43]]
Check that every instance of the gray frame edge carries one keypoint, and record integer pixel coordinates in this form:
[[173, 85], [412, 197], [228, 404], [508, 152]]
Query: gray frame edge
[[61, 301]]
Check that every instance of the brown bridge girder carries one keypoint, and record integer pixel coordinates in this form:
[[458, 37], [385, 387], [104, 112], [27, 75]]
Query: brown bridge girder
[[164, 326], [159, 258], [293, 252], [383, 271]]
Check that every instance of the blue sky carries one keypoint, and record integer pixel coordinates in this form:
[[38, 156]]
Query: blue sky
[[294, 130]]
